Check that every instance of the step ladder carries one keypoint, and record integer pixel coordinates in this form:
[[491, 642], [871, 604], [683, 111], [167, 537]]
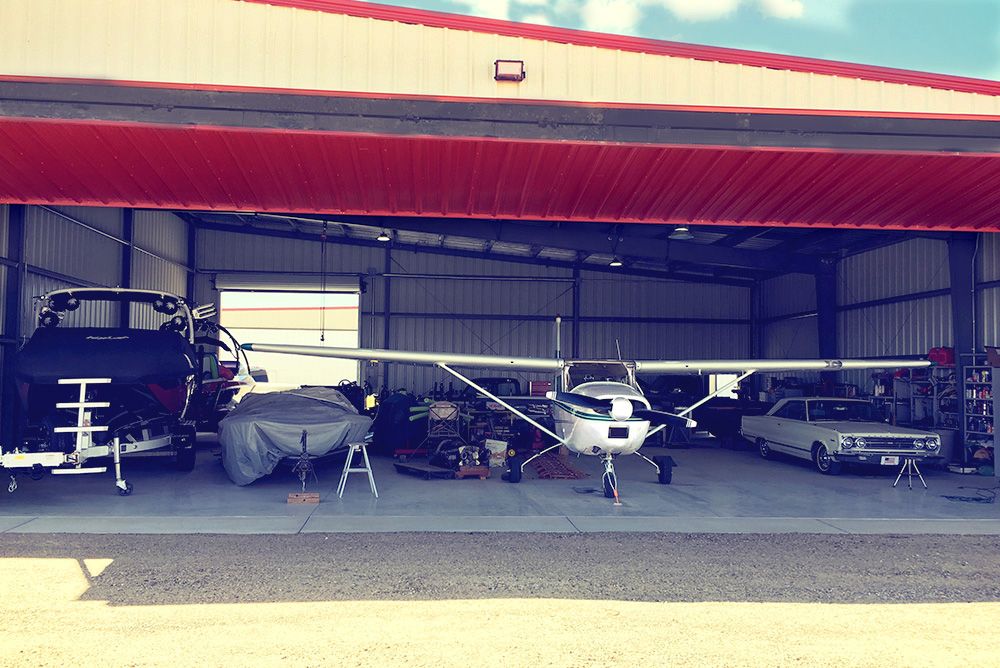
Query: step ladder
[[84, 430], [349, 468]]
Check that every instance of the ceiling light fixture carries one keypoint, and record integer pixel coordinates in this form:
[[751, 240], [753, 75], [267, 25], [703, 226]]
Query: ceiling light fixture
[[615, 262], [681, 233], [384, 236]]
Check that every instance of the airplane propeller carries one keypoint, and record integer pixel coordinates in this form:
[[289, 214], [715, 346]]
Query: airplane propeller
[[620, 408]]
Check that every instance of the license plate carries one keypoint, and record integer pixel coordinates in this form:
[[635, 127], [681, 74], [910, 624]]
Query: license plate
[[890, 460]]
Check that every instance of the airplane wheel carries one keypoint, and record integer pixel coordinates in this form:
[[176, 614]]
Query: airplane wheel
[[514, 475], [764, 448], [126, 491], [609, 486], [666, 474], [185, 458]]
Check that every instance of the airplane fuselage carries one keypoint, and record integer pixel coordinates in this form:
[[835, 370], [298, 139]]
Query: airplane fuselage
[[591, 432]]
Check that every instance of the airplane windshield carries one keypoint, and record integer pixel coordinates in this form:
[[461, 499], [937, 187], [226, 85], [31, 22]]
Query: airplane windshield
[[841, 411], [588, 372]]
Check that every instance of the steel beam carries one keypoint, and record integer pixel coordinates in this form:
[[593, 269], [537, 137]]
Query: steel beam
[[192, 261], [452, 252], [582, 239], [575, 326], [386, 312]]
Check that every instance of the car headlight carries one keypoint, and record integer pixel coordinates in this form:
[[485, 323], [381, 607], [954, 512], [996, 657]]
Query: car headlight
[[860, 442], [918, 443], [933, 444], [847, 442]]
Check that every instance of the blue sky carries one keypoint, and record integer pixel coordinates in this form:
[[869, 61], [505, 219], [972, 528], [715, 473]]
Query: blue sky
[[949, 36]]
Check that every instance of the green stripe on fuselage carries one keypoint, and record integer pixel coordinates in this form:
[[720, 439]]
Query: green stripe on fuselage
[[596, 417]]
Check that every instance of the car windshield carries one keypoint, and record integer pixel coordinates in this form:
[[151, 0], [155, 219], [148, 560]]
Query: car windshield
[[842, 411]]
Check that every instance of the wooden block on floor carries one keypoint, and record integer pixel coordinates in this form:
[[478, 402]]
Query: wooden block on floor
[[303, 497], [481, 472]]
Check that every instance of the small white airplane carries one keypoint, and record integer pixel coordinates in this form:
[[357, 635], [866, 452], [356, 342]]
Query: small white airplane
[[605, 413]]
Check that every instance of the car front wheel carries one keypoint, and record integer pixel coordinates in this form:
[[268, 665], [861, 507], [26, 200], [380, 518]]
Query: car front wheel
[[764, 448], [824, 461]]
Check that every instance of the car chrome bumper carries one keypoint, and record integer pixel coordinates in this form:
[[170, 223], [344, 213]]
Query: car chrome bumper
[[875, 456]]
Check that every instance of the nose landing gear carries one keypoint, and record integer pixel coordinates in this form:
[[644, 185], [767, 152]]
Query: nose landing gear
[[610, 480]]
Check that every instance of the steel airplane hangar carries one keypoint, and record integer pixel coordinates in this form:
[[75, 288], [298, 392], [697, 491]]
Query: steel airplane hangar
[[605, 413]]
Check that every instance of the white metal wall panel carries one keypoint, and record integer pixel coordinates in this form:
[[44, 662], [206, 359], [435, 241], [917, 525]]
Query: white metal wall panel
[[58, 245], [225, 42], [663, 341], [917, 265], [476, 296], [524, 339], [227, 250], [787, 294], [149, 273], [988, 317], [988, 257], [791, 339], [161, 232], [103, 218], [603, 294]]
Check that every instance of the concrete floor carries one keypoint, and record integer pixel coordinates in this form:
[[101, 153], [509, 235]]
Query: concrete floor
[[714, 491]]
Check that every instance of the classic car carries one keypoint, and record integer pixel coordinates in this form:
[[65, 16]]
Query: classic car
[[832, 432]]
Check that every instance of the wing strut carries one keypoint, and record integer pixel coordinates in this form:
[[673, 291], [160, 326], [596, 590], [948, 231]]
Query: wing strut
[[725, 388]]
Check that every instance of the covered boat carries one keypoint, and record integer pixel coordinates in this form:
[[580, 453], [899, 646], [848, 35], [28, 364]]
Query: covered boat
[[266, 428]]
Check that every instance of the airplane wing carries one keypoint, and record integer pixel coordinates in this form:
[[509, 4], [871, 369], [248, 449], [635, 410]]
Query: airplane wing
[[764, 366], [375, 354]]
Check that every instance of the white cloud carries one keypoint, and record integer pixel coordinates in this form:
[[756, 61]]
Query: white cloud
[[700, 10], [783, 9], [490, 9], [617, 16], [537, 18], [532, 3]]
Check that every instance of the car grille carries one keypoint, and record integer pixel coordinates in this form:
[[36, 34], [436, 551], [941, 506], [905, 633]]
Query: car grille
[[888, 443]]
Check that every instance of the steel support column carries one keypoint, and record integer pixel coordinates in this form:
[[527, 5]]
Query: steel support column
[[962, 272], [10, 408], [128, 221], [576, 314], [386, 311], [826, 315]]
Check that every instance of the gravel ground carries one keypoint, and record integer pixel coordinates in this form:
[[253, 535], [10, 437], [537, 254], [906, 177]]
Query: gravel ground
[[499, 599]]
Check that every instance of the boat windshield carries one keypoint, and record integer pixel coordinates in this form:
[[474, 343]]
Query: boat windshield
[[841, 411]]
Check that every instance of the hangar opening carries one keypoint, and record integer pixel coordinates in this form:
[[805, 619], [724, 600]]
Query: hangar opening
[[795, 232]]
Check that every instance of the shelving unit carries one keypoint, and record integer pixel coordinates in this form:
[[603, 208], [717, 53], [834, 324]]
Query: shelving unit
[[978, 394]]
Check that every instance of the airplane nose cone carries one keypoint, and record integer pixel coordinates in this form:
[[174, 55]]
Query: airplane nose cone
[[621, 408]]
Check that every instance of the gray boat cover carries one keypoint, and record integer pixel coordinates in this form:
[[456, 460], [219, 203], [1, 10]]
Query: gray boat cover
[[266, 428]]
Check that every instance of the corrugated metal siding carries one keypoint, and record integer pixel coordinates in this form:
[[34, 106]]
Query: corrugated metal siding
[[918, 265], [663, 341], [476, 296], [792, 339], [149, 273], [247, 44], [606, 295], [988, 317], [533, 339], [162, 233], [105, 219], [58, 245], [225, 250], [787, 294], [906, 328], [988, 257]]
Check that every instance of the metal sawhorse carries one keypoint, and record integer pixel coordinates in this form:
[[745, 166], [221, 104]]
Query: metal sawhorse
[[349, 468]]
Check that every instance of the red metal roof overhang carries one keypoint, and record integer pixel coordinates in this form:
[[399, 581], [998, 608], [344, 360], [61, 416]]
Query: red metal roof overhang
[[100, 163]]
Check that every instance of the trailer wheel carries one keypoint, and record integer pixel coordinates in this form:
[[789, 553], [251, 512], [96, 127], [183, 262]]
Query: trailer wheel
[[124, 491], [185, 458]]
